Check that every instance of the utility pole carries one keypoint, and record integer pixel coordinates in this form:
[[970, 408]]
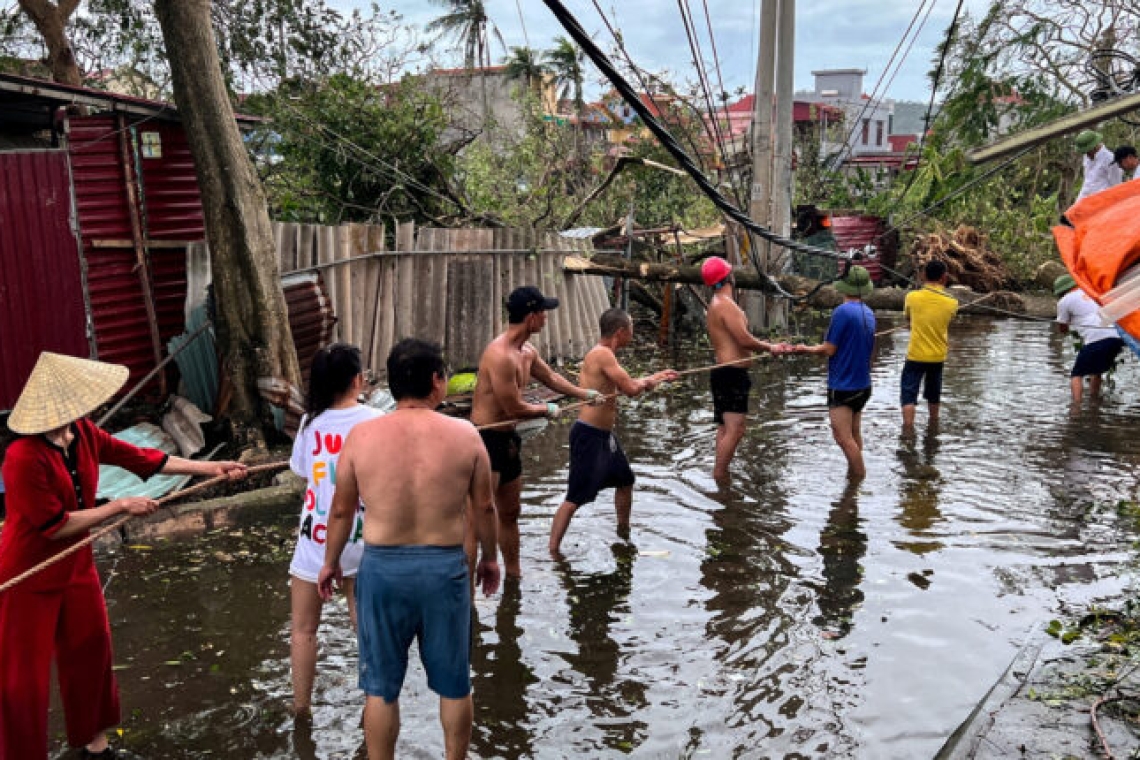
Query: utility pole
[[769, 199]]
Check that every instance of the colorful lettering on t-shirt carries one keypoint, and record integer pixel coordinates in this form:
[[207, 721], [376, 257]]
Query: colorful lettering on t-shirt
[[332, 443]]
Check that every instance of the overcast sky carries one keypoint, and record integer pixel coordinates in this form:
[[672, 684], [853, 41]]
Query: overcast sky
[[829, 34]]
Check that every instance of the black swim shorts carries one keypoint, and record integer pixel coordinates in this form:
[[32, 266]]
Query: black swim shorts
[[730, 388], [596, 463], [1097, 358], [855, 400], [504, 447]]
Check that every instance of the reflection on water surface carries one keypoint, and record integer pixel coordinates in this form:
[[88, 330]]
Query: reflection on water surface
[[787, 615]]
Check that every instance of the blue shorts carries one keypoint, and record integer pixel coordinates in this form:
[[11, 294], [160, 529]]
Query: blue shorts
[[912, 377], [1097, 358], [409, 592]]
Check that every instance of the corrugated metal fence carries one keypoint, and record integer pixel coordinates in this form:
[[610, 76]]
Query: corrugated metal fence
[[442, 285]]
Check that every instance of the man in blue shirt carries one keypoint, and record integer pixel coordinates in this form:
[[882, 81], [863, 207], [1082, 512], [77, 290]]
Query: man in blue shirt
[[848, 344]]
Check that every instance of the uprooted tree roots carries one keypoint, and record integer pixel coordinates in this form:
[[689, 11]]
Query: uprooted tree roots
[[967, 257]]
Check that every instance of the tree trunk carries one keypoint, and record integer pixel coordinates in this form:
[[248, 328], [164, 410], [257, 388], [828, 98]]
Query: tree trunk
[[827, 297], [252, 320], [51, 22]]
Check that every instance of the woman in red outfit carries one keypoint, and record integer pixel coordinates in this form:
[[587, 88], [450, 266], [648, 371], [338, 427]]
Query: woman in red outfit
[[51, 475]]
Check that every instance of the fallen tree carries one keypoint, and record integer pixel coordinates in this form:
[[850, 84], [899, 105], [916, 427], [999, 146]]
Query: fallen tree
[[820, 297]]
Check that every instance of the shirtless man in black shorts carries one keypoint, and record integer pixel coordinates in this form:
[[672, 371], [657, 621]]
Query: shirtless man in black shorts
[[597, 461], [731, 341], [506, 367]]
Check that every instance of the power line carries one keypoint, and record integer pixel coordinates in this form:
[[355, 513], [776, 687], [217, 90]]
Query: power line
[[933, 93], [574, 29], [637, 72], [737, 190], [847, 145], [702, 76], [522, 22]]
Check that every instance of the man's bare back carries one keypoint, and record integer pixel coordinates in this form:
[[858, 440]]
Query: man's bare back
[[414, 470]]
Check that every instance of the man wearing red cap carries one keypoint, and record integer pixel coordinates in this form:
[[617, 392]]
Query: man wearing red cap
[[732, 344]]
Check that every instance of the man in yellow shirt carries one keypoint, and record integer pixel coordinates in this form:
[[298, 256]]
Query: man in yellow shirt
[[929, 310]]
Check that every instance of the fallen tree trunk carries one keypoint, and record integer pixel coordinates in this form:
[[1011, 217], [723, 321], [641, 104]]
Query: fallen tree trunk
[[827, 297]]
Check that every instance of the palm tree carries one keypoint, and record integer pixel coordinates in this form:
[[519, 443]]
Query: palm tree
[[565, 61], [467, 22], [523, 63]]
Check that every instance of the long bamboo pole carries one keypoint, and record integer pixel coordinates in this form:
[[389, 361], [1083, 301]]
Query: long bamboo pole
[[91, 538]]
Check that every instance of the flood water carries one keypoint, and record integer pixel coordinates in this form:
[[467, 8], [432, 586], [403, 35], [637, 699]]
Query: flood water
[[786, 616]]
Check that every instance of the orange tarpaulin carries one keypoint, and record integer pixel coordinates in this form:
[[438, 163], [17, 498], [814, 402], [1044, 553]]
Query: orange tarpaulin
[[1103, 242]]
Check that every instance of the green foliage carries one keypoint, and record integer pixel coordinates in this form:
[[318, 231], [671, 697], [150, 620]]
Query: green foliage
[[530, 181], [538, 178], [1058, 631], [661, 198], [524, 64], [260, 42], [565, 61], [345, 150]]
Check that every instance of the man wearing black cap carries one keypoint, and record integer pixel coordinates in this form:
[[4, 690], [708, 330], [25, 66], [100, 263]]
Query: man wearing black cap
[[508, 364]]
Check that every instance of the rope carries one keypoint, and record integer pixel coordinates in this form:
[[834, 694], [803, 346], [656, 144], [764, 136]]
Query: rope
[[561, 410], [607, 397], [91, 538]]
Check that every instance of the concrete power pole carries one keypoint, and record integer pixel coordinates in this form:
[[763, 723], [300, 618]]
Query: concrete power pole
[[770, 196]]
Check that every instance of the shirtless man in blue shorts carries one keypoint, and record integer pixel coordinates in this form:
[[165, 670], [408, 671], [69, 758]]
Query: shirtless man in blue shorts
[[597, 461], [425, 481]]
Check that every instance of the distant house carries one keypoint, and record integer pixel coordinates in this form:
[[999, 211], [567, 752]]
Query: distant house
[[810, 121], [867, 119], [125, 80], [481, 100], [909, 117]]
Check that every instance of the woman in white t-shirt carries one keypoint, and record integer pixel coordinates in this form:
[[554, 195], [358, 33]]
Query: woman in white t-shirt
[[335, 383]]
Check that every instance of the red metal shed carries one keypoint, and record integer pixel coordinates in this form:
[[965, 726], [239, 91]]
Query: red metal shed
[[96, 213]]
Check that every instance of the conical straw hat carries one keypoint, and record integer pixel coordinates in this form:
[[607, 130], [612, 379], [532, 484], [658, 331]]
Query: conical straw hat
[[62, 389]]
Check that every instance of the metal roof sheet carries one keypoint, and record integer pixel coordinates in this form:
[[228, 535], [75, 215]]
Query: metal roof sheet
[[116, 483], [64, 94], [581, 233]]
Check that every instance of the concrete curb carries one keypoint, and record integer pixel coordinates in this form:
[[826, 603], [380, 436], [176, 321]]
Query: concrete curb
[[964, 742], [185, 520]]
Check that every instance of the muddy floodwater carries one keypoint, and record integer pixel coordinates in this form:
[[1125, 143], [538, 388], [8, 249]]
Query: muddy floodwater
[[786, 615]]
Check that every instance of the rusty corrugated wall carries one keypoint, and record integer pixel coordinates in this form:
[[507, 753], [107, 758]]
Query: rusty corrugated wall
[[118, 297], [41, 286], [118, 313], [172, 213]]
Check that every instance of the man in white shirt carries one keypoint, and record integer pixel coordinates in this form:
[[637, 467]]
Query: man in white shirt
[[1100, 169], [1101, 344], [1126, 158]]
